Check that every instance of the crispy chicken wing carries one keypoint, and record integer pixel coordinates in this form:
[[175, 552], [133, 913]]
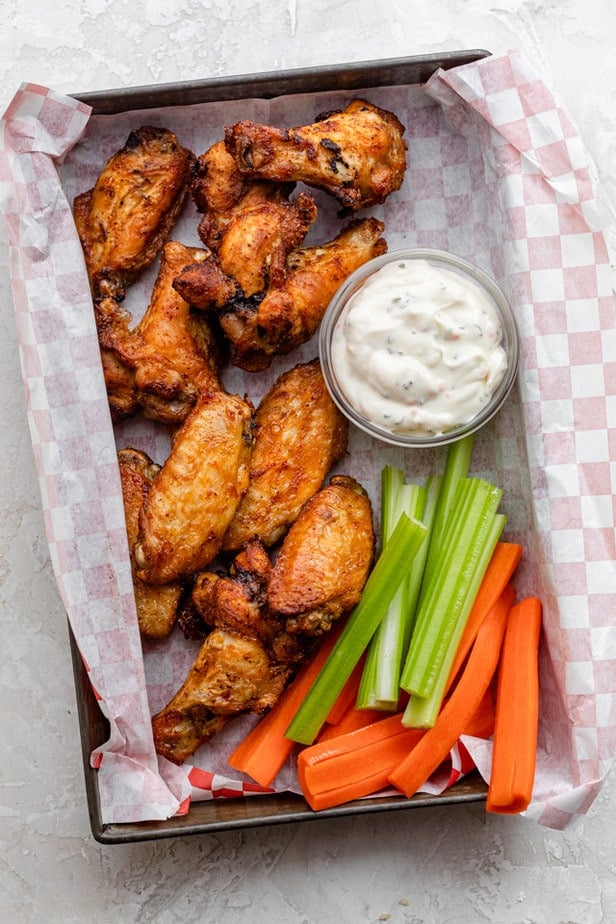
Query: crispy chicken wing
[[157, 606], [232, 674], [193, 500], [299, 435], [357, 155], [123, 221], [171, 355], [287, 316], [251, 226], [325, 558]]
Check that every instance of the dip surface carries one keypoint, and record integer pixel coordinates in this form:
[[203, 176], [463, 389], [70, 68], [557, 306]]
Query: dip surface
[[418, 349]]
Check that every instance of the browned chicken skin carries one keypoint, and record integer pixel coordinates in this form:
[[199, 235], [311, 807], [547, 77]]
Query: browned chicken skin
[[288, 315], [124, 220], [357, 155], [299, 434], [193, 500], [325, 558], [171, 355], [157, 606]]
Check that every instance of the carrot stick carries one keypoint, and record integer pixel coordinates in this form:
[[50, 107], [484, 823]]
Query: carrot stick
[[434, 746], [503, 563], [517, 712], [351, 720], [353, 765], [264, 750]]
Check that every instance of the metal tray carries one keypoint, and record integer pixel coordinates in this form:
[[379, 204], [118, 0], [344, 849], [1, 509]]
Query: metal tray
[[227, 814]]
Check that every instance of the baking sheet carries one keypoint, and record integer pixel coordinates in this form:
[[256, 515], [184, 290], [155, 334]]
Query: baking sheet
[[498, 175]]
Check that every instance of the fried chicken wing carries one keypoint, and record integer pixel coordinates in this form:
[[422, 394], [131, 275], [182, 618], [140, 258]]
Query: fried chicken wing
[[157, 606], [358, 155], [299, 434], [325, 558], [123, 221], [289, 315], [172, 354], [232, 674], [193, 500], [251, 226]]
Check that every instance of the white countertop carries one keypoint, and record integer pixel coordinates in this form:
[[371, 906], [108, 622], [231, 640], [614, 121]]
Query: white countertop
[[430, 865]]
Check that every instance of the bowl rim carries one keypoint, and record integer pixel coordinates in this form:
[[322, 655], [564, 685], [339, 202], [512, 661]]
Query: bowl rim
[[453, 262]]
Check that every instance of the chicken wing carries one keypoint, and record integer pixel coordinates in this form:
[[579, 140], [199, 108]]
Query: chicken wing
[[299, 434], [251, 226], [289, 315], [171, 355], [193, 500], [358, 155], [325, 558], [232, 674], [123, 221], [157, 606]]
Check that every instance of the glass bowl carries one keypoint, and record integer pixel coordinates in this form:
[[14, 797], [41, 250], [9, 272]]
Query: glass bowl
[[371, 368]]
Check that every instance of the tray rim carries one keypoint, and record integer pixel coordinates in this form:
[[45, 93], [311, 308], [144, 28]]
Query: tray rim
[[233, 814], [267, 84]]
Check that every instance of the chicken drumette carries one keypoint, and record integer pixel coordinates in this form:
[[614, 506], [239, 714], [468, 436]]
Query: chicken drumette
[[358, 155]]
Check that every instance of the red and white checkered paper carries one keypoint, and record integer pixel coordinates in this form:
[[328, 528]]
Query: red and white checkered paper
[[497, 174]]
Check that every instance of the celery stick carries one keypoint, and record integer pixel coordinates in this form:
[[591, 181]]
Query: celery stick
[[391, 639], [457, 466], [361, 625], [448, 585], [422, 712]]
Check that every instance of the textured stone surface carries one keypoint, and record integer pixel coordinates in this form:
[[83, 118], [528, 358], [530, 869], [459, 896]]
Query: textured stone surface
[[422, 866]]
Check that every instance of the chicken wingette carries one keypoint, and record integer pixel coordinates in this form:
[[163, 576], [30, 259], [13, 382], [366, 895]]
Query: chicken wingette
[[125, 218], [325, 558], [299, 434], [189, 507], [358, 154]]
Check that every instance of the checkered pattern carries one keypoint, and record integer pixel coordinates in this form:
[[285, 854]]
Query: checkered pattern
[[497, 174]]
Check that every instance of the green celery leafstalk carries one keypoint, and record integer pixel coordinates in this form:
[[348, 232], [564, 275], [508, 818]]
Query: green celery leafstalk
[[422, 712], [380, 684], [440, 606], [457, 466], [361, 625]]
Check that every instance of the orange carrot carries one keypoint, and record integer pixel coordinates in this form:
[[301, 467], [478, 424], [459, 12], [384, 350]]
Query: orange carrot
[[517, 712], [434, 746], [503, 563], [264, 750], [352, 719], [357, 764]]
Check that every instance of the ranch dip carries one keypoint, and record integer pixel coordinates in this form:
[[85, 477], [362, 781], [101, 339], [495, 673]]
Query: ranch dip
[[418, 349]]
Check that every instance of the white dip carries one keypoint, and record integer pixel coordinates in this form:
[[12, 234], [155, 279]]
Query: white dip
[[418, 349]]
